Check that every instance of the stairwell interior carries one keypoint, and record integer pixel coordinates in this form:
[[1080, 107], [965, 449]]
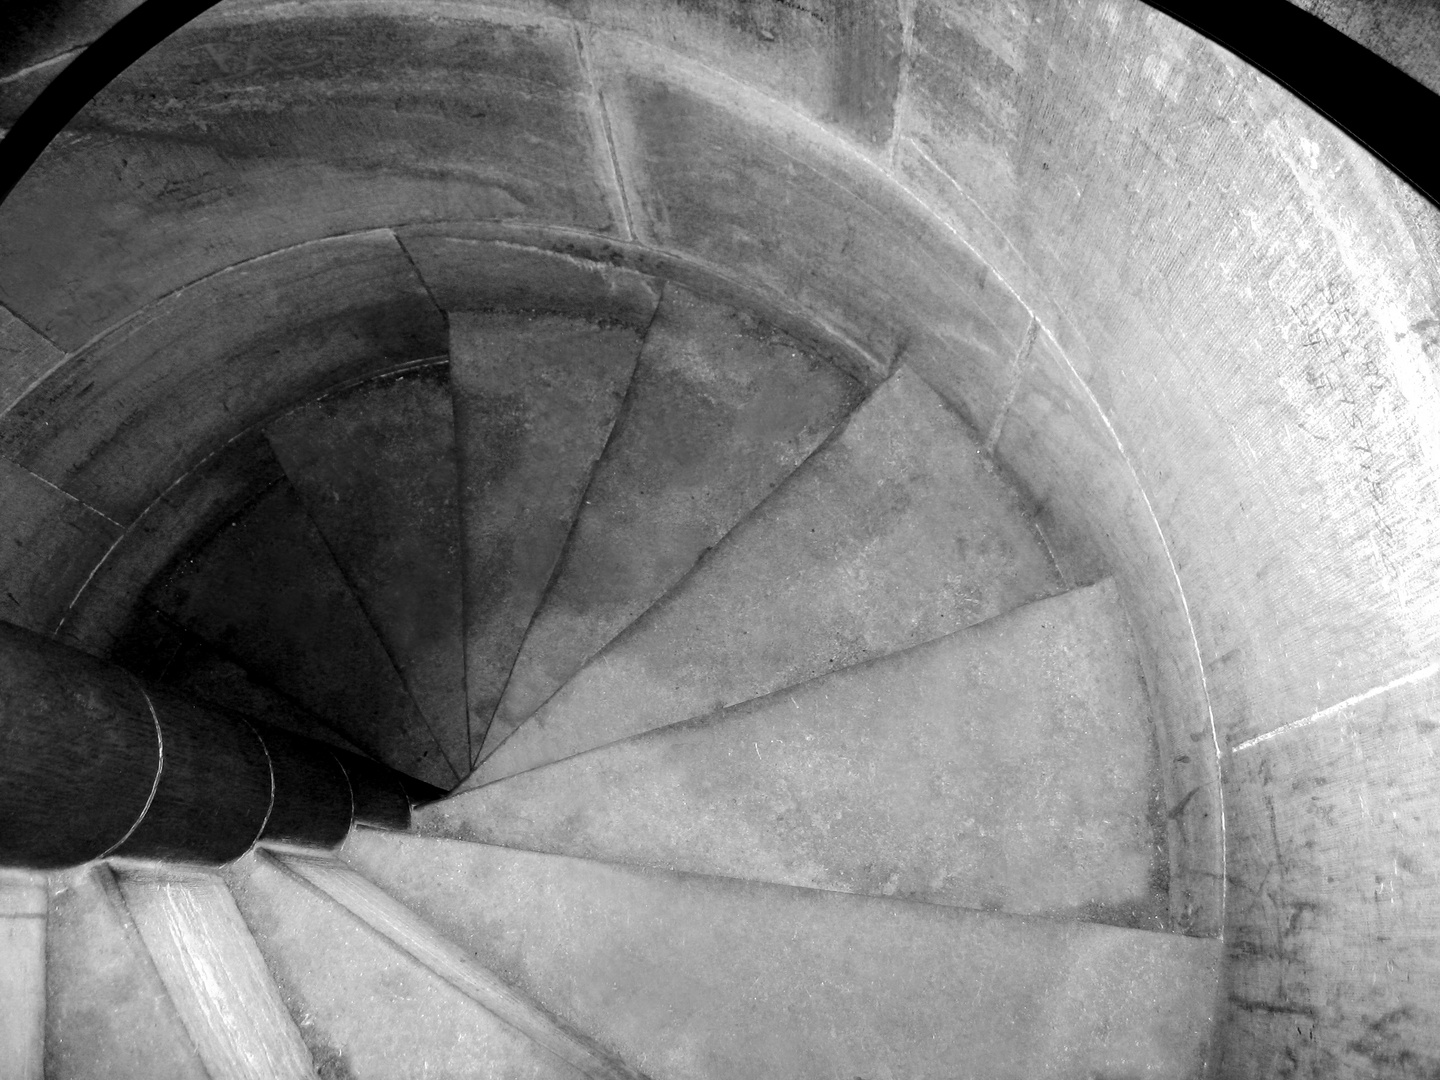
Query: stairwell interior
[[906, 532]]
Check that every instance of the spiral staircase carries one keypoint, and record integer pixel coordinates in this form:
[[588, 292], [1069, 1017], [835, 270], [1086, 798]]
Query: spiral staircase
[[904, 530], [779, 745]]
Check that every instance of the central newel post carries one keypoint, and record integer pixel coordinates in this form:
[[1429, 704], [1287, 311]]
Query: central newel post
[[95, 763]]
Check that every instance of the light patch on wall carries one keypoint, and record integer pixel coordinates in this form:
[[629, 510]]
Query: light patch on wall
[[1163, 77], [1415, 376], [999, 28]]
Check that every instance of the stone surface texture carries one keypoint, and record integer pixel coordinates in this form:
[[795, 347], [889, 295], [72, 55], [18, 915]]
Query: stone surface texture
[[195, 506], [535, 399], [722, 408], [365, 1008], [266, 590], [895, 533], [685, 975], [376, 470], [137, 407], [107, 1013], [214, 974], [24, 906], [30, 357], [49, 543], [1008, 767]]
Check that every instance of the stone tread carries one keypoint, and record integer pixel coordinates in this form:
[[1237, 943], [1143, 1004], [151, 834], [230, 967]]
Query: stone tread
[[49, 545], [535, 398], [722, 408], [24, 906], [155, 649], [1009, 766], [197, 670], [196, 505], [895, 532], [367, 1010], [692, 976], [107, 1015], [265, 590], [375, 468], [214, 973]]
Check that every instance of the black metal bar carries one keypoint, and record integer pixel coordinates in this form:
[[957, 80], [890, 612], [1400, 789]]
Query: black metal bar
[[132, 36], [87, 75], [1379, 106]]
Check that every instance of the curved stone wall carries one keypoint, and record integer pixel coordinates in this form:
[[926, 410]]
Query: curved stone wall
[[1193, 321]]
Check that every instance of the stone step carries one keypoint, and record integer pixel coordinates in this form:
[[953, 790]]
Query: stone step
[[49, 544], [375, 467], [194, 507], [722, 409], [897, 531], [265, 590], [200, 671], [1009, 766], [687, 976], [214, 973], [24, 905], [535, 399], [365, 1008], [156, 649], [107, 1014]]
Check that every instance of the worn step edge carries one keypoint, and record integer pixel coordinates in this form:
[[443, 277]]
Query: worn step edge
[[427, 721], [483, 772], [471, 784], [572, 961], [495, 626], [733, 880], [272, 433], [675, 586], [214, 973], [681, 323], [408, 932]]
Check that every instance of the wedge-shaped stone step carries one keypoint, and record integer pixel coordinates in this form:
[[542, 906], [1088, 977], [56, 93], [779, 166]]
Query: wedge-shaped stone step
[[49, 544], [1008, 766], [266, 591], [23, 907], [215, 975], [893, 533], [395, 922], [108, 1016], [686, 976], [366, 1008], [375, 468], [722, 409], [201, 672], [535, 399], [154, 648], [195, 506]]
